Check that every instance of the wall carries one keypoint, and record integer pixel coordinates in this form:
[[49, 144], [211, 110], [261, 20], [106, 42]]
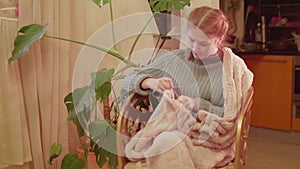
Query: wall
[[236, 21], [212, 3]]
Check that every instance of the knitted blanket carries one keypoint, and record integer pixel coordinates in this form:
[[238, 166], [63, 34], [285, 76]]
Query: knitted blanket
[[174, 139]]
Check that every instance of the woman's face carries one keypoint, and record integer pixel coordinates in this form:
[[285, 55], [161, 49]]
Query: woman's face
[[201, 45]]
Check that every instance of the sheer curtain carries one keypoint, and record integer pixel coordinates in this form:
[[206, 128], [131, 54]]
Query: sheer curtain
[[43, 76], [14, 138]]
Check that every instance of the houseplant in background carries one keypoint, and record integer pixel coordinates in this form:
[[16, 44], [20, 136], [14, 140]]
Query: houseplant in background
[[82, 102]]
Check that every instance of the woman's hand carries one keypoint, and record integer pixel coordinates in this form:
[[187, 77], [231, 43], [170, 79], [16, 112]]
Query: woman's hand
[[160, 84], [189, 103]]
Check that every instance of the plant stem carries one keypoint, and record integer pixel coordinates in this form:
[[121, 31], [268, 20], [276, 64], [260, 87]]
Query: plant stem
[[85, 158], [111, 52], [112, 24], [138, 37], [95, 109], [116, 101]]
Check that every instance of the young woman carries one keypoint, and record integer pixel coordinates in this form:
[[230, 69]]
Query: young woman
[[195, 73], [212, 83]]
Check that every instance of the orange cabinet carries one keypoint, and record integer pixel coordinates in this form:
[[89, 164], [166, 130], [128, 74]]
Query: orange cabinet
[[273, 88]]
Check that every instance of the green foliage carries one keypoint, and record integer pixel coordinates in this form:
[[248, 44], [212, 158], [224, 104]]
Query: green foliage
[[79, 106], [167, 5], [104, 134], [55, 151], [98, 128], [69, 102], [72, 161], [103, 157], [101, 3], [112, 161], [101, 80], [102, 76], [105, 138], [28, 35], [103, 91]]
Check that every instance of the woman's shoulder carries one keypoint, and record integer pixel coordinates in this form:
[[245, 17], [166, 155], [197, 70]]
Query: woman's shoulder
[[175, 54], [182, 52], [229, 54]]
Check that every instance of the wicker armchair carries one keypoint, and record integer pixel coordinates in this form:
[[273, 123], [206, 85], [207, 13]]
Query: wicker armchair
[[131, 120]]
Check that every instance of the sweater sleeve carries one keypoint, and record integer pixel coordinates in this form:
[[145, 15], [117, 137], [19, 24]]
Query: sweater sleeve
[[132, 81]]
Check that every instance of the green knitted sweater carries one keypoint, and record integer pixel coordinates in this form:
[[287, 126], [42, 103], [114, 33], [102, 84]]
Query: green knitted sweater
[[200, 79]]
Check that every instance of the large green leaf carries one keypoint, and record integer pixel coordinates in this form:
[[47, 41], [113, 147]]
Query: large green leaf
[[55, 151], [103, 91], [167, 5], [28, 35], [77, 100], [76, 95], [102, 76], [79, 105], [71, 161], [101, 158], [98, 128], [99, 153], [81, 98], [109, 142], [112, 161], [80, 130], [68, 98], [106, 139], [101, 3], [101, 81]]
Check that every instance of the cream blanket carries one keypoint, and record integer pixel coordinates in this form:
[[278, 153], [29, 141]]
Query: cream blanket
[[211, 140]]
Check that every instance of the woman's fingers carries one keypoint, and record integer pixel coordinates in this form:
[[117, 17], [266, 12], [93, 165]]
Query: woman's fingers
[[160, 84], [187, 102], [179, 99], [169, 83]]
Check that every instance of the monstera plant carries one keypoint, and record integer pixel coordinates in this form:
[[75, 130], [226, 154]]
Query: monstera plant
[[81, 102]]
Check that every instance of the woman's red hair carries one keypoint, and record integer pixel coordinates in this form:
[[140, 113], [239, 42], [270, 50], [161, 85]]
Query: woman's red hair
[[212, 22]]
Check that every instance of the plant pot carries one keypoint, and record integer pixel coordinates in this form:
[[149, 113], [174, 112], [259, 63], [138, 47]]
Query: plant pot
[[91, 158]]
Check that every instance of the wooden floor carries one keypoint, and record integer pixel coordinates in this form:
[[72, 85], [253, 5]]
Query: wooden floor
[[273, 149]]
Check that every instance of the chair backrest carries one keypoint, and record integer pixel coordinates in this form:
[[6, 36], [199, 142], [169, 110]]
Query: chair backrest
[[243, 126], [130, 121]]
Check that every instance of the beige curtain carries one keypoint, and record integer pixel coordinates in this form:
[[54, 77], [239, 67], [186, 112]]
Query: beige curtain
[[43, 77], [14, 138]]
